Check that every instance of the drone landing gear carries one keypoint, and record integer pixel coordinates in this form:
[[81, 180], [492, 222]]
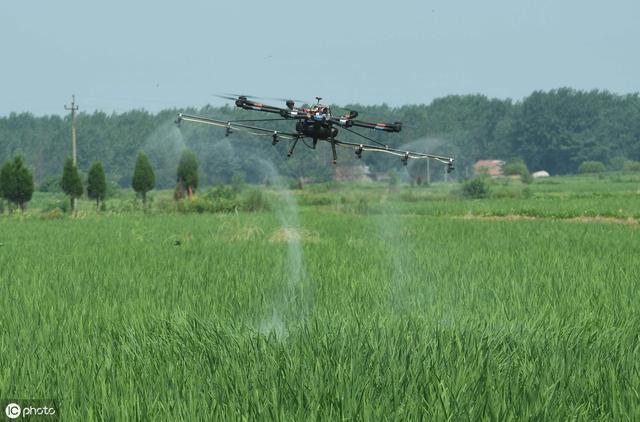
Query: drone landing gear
[[292, 147], [333, 151]]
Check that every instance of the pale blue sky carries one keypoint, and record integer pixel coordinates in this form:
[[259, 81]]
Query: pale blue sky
[[120, 55]]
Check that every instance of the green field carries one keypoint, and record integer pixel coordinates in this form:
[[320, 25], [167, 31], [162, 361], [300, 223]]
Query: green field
[[340, 302]]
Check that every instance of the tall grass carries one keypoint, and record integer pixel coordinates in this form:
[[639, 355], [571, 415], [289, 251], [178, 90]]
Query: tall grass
[[157, 317]]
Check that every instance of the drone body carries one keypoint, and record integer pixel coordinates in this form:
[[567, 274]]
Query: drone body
[[316, 123]]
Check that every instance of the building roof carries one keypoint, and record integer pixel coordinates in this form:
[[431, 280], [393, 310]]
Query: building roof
[[490, 167]]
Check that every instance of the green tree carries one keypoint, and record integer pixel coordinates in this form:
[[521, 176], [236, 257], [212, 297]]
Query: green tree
[[515, 167], [144, 179], [71, 183], [631, 166], [17, 182], [188, 171], [476, 188], [97, 183], [590, 167], [7, 181]]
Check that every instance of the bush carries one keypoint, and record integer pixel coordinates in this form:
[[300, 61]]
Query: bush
[[476, 188], [255, 200], [55, 205], [515, 167], [50, 184], [526, 178], [591, 167], [221, 192], [316, 199], [363, 206], [631, 166], [53, 214], [219, 200]]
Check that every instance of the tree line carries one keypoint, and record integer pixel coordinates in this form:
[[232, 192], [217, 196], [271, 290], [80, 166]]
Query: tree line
[[555, 130], [17, 184]]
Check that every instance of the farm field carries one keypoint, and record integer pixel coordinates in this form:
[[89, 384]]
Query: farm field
[[338, 302]]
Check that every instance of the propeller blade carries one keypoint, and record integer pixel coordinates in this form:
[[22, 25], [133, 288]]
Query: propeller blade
[[297, 100], [226, 97], [232, 96]]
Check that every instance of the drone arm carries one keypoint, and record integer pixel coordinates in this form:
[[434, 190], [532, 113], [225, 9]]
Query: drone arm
[[292, 113], [405, 155], [231, 126], [385, 127], [250, 105]]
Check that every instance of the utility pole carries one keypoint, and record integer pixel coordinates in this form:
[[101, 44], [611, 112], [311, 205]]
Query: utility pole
[[428, 171], [73, 110]]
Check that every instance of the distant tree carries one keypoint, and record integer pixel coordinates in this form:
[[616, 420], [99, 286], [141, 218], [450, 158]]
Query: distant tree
[[591, 167], [144, 178], [515, 167], [16, 182], [97, 183], [631, 166], [476, 188], [71, 183], [7, 181], [188, 171]]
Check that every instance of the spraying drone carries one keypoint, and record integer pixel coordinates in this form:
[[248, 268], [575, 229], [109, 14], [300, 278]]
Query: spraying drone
[[315, 123]]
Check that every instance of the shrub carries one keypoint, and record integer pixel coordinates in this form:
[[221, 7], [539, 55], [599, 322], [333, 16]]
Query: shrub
[[50, 184], [221, 192], [631, 166], [316, 199], [53, 214], [526, 178], [591, 167], [363, 206], [476, 188], [515, 167], [55, 205], [255, 200]]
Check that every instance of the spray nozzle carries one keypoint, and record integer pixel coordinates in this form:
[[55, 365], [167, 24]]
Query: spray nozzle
[[450, 166], [405, 159]]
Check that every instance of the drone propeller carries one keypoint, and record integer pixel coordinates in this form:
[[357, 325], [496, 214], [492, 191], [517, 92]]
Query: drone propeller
[[230, 96], [234, 96], [288, 99], [226, 97]]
